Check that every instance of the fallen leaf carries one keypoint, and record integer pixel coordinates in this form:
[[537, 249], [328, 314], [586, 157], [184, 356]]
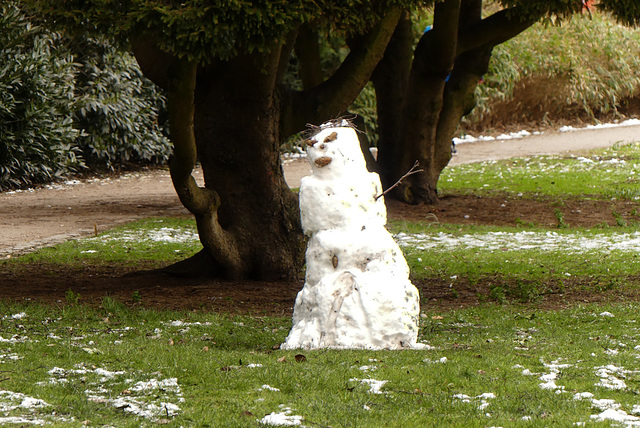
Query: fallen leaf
[[170, 342], [300, 358], [205, 349], [437, 317], [282, 359]]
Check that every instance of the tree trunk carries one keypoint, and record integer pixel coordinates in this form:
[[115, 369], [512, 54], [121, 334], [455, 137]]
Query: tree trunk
[[418, 118], [390, 80], [226, 116], [433, 62], [237, 134]]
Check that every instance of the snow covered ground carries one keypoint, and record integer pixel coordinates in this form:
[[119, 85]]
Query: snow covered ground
[[517, 241], [524, 133]]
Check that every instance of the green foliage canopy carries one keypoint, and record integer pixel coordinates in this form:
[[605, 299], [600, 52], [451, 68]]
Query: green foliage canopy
[[203, 29], [556, 9], [626, 11]]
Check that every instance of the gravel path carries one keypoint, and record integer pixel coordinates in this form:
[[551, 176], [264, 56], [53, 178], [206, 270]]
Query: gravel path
[[45, 216]]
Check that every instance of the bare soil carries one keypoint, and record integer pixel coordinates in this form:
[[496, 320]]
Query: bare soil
[[45, 216]]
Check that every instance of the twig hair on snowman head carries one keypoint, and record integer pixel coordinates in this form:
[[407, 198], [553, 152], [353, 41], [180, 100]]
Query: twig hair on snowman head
[[340, 122], [313, 130]]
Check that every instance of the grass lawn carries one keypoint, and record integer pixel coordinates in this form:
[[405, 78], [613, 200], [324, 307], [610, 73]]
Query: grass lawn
[[509, 363], [487, 366]]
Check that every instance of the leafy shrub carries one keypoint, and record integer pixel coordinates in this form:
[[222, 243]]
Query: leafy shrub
[[116, 108], [36, 89], [66, 106], [586, 67]]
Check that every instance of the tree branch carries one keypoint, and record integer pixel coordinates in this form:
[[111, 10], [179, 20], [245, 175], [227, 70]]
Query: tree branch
[[494, 30], [334, 95], [203, 203], [412, 171], [307, 50], [153, 61], [180, 106]]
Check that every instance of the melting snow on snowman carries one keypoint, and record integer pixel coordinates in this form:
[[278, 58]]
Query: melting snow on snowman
[[357, 292]]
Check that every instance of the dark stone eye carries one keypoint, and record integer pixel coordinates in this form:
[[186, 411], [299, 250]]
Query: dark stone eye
[[331, 137]]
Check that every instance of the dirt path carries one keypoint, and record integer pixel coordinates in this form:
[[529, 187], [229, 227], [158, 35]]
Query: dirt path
[[44, 216]]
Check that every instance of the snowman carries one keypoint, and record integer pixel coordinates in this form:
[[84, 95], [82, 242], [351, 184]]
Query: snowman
[[357, 292]]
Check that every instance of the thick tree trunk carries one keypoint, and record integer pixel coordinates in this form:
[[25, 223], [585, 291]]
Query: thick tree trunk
[[236, 129], [226, 116], [432, 65], [390, 80], [203, 203]]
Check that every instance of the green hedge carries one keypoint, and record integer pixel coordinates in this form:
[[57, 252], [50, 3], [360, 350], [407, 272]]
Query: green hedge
[[36, 94], [70, 107], [117, 109]]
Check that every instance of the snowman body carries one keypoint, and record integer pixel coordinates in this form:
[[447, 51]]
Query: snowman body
[[357, 292]]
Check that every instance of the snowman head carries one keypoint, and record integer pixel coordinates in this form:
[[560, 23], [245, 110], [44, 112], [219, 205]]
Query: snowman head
[[334, 151]]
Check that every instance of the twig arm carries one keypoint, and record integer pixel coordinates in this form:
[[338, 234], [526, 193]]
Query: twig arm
[[412, 171]]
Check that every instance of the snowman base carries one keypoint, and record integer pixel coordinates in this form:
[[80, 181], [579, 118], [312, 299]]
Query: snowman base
[[354, 311]]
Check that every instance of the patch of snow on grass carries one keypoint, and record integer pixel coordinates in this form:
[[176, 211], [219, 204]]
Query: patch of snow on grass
[[15, 401], [609, 377], [526, 240], [14, 339], [145, 410], [149, 399], [549, 379], [20, 420], [367, 368], [284, 418], [578, 396], [164, 234], [482, 398], [441, 360], [375, 386], [266, 387], [463, 397], [17, 316], [13, 357], [180, 323], [617, 415]]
